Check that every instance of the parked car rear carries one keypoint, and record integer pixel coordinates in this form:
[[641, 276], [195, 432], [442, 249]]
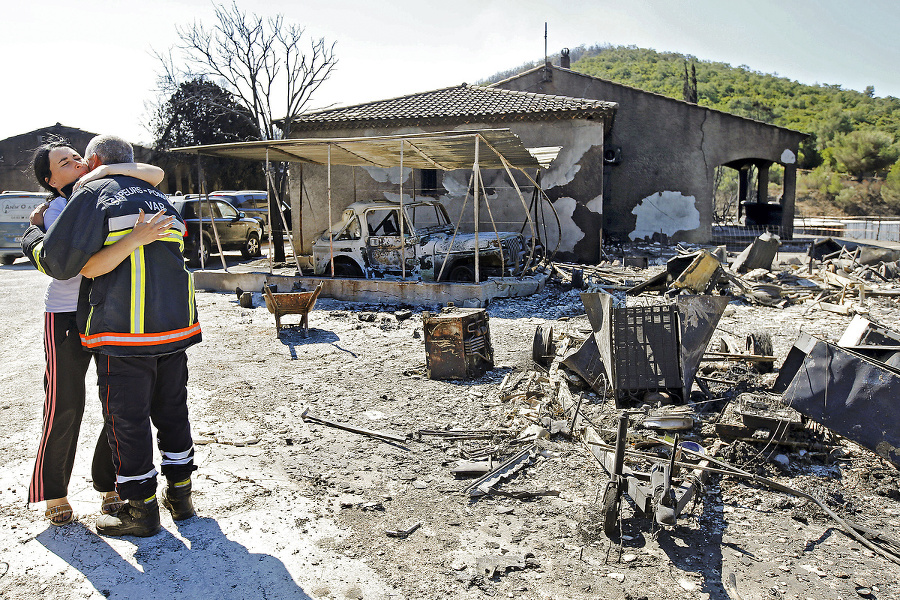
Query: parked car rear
[[15, 208], [254, 203], [236, 230]]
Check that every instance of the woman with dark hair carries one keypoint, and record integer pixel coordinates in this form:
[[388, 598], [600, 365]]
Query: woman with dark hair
[[60, 169]]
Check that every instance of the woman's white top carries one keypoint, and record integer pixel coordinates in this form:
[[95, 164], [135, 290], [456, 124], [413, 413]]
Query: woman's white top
[[62, 295]]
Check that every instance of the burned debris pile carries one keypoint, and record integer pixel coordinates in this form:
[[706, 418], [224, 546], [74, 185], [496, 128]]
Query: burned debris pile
[[675, 411]]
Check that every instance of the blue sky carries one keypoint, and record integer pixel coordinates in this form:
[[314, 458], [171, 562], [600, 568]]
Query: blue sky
[[91, 64]]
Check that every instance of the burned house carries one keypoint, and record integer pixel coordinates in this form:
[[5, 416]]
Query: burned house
[[632, 164], [575, 126], [661, 156]]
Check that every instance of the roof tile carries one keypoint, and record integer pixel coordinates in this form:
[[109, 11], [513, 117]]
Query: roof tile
[[459, 102]]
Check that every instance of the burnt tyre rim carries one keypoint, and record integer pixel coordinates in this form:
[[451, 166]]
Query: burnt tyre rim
[[462, 273], [610, 510]]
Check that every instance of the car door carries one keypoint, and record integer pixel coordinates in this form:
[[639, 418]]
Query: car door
[[232, 229], [384, 245]]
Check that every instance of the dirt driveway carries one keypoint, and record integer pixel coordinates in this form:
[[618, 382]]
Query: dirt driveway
[[289, 510]]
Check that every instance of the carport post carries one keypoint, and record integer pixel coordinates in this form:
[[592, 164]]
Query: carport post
[[212, 220], [200, 211], [477, 173], [402, 216], [269, 189], [270, 181], [330, 232]]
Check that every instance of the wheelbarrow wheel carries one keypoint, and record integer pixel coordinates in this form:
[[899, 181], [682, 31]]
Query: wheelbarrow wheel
[[610, 507]]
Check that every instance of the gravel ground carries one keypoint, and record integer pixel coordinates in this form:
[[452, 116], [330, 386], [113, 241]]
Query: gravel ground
[[294, 510]]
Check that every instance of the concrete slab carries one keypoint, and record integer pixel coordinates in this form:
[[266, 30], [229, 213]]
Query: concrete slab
[[382, 291]]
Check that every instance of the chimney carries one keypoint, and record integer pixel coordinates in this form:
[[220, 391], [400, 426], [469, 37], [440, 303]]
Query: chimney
[[564, 59]]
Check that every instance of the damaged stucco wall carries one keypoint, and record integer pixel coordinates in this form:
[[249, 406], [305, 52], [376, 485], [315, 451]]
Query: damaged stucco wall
[[662, 154], [576, 191]]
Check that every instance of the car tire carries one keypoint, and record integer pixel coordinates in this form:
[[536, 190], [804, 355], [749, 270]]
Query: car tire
[[194, 257], [8, 259], [463, 273], [251, 248]]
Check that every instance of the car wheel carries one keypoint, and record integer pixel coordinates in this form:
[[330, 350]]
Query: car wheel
[[194, 259], [8, 259], [344, 269], [251, 247], [463, 273]]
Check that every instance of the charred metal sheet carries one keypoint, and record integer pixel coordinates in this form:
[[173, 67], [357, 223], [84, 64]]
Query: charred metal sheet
[[458, 343], [586, 362], [794, 360], [874, 340], [850, 394], [758, 255], [512, 465], [698, 317], [700, 275], [594, 307], [823, 247], [650, 347]]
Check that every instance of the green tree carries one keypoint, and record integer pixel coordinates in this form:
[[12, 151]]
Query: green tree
[[890, 191], [864, 153], [201, 112]]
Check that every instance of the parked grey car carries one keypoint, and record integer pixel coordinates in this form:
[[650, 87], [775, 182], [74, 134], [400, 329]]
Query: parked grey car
[[236, 230], [254, 203]]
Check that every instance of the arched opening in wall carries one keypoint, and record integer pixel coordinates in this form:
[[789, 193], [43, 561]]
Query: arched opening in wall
[[748, 195]]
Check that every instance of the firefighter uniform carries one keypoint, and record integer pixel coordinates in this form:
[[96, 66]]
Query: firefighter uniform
[[138, 319]]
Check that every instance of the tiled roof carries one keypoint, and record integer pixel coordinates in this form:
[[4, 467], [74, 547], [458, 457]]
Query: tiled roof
[[459, 104]]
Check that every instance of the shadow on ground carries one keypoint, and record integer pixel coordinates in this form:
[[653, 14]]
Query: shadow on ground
[[206, 564]]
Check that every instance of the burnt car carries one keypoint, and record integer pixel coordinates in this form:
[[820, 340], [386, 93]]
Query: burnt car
[[367, 242], [236, 230]]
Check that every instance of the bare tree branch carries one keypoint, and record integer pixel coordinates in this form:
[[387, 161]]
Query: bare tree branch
[[260, 60]]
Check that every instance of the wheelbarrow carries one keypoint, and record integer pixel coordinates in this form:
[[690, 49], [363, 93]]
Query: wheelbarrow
[[293, 303]]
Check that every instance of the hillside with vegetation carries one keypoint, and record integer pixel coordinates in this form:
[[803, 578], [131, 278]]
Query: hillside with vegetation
[[849, 164]]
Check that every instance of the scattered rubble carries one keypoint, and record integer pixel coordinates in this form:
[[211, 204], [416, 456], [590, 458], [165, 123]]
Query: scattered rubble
[[492, 483]]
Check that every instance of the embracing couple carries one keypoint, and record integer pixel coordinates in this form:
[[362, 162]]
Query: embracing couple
[[120, 292]]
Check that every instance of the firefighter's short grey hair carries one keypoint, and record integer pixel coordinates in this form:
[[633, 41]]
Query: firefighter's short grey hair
[[110, 149]]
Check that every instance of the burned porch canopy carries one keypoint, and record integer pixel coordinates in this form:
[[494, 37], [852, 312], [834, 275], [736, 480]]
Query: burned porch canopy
[[441, 150], [444, 151]]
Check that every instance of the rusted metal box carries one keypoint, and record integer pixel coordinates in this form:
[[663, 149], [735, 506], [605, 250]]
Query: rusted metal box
[[457, 343]]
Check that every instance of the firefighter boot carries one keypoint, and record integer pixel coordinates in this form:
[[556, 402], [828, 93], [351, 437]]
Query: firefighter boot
[[138, 518], [177, 498]]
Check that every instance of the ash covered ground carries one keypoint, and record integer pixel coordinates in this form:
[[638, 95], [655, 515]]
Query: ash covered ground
[[288, 509]]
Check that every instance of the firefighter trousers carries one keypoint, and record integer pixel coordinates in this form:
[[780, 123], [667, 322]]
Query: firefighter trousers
[[136, 391]]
